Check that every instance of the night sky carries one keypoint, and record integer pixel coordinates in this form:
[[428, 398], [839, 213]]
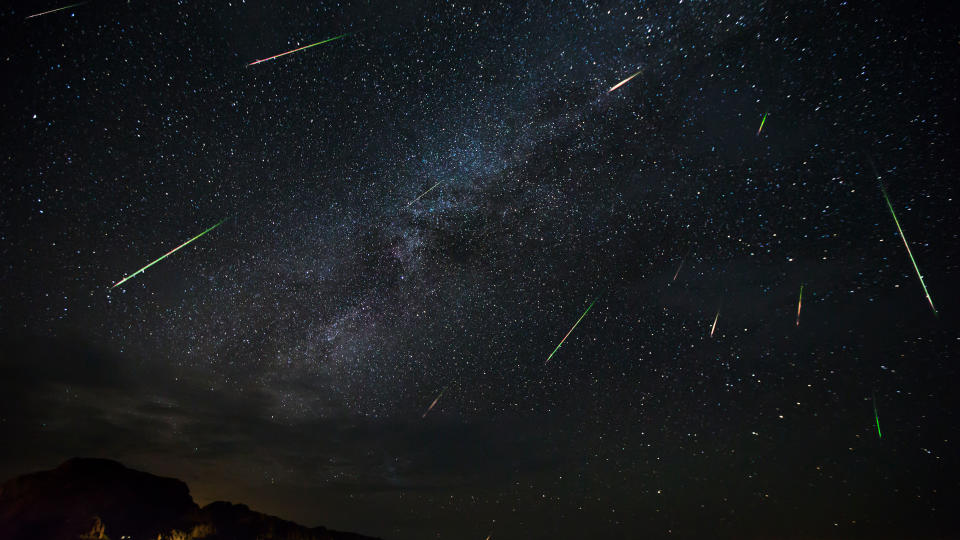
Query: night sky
[[286, 358]]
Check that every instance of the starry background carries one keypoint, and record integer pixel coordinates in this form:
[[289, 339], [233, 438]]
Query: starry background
[[285, 359]]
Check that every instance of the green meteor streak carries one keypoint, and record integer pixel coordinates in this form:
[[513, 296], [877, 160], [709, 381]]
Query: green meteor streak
[[171, 252], [906, 245], [424, 193], [763, 121], [255, 62], [571, 331], [876, 417], [799, 304]]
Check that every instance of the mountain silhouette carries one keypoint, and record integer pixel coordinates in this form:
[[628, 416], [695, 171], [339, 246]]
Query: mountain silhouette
[[102, 499]]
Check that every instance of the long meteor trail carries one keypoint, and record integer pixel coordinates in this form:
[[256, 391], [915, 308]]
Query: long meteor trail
[[714, 327], [906, 245], [623, 82], [570, 332], [876, 417], [171, 252], [762, 122], [55, 10], [296, 50], [424, 193], [432, 405], [799, 305]]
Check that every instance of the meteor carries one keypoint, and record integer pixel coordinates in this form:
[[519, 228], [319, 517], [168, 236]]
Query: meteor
[[762, 122], [571, 331], [623, 82], [714, 327], [678, 270], [424, 193], [799, 304], [430, 408], [876, 417], [906, 245], [295, 50], [171, 252], [56, 10]]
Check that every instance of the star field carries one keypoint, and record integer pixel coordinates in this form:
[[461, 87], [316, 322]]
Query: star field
[[286, 358]]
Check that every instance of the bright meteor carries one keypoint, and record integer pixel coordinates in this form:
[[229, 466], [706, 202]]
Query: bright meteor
[[906, 245], [56, 10], [763, 121], [296, 50], [171, 252], [432, 405], [876, 417], [571, 331], [424, 193], [623, 82], [799, 304], [714, 327]]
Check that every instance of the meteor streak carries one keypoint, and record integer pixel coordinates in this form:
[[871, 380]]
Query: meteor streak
[[678, 270], [714, 327], [799, 304], [171, 252], [298, 49], [623, 82], [762, 122], [424, 193], [876, 417], [430, 408], [56, 10], [906, 245], [571, 331]]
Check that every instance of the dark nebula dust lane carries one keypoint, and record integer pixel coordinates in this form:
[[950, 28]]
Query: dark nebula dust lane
[[315, 258]]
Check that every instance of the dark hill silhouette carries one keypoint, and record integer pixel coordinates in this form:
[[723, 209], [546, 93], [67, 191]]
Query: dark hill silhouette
[[100, 498]]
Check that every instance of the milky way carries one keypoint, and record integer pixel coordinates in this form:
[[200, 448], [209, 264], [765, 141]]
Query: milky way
[[423, 207]]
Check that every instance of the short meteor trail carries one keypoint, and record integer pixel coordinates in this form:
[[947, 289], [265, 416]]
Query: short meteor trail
[[424, 193], [623, 82], [571, 331], [762, 122], [799, 304], [296, 50], [876, 417], [56, 10], [171, 252], [430, 408], [714, 327], [678, 270], [906, 245]]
